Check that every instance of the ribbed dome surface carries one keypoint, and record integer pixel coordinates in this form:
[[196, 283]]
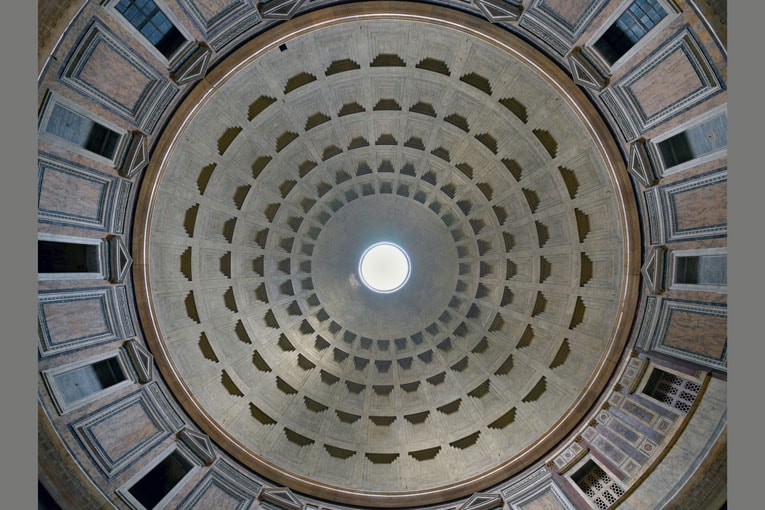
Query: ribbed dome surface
[[340, 136]]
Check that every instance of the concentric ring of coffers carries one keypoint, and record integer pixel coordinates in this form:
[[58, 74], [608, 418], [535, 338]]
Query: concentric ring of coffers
[[365, 130]]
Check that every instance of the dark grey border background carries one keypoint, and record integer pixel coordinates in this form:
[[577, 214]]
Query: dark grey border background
[[19, 252], [746, 222], [746, 225]]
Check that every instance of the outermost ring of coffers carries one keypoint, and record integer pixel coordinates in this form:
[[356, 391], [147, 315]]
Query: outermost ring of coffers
[[470, 26]]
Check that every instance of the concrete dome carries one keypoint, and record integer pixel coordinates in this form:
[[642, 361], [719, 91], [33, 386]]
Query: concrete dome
[[444, 380]]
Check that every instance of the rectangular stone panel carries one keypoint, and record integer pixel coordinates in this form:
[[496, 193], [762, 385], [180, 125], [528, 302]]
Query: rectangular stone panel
[[609, 450], [71, 320], [118, 434], [646, 96], [641, 413], [629, 434], [58, 182], [103, 68], [694, 208], [652, 92], [695, 332], [701, 207]]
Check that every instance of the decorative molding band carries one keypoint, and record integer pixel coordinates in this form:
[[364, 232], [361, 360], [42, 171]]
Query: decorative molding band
[[655, 218], [124, 311], [530, 482], [619, 113], [638, 376], [163, 404], [572, 454], [121, 204], [647, 323]]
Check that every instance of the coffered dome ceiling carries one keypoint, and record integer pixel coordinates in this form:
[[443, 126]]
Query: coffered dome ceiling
[[446, 136]]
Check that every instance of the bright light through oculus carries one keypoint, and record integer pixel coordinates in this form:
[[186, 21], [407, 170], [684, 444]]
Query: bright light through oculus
[[384, 268]]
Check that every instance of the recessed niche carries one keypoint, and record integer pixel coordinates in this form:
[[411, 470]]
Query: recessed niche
[[505, 367], [258, 165], [423, 108], [259, 362], [260, 104], [434, 65], [381, 458], [387, 60], [259, 415], [314, 406], [477, 81], [387, 104], [504, 420], [347, 417], [227, 138], [297, 439], [427, 454], [230, 385], [382, 421], [537, 391], [270, 320], [466, 441], [298, 81], [339, 453], [459, 121], [327, 378], [417, 418], [341, 66], [284, 387]]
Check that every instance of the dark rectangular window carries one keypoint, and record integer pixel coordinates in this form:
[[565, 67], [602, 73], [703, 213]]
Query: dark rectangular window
[[672, 390], [597, 485], [702, 270], [56, 257], [634, 23], [82, 131], [695, 142], [157, 483], [147, 17], [82, 382]]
